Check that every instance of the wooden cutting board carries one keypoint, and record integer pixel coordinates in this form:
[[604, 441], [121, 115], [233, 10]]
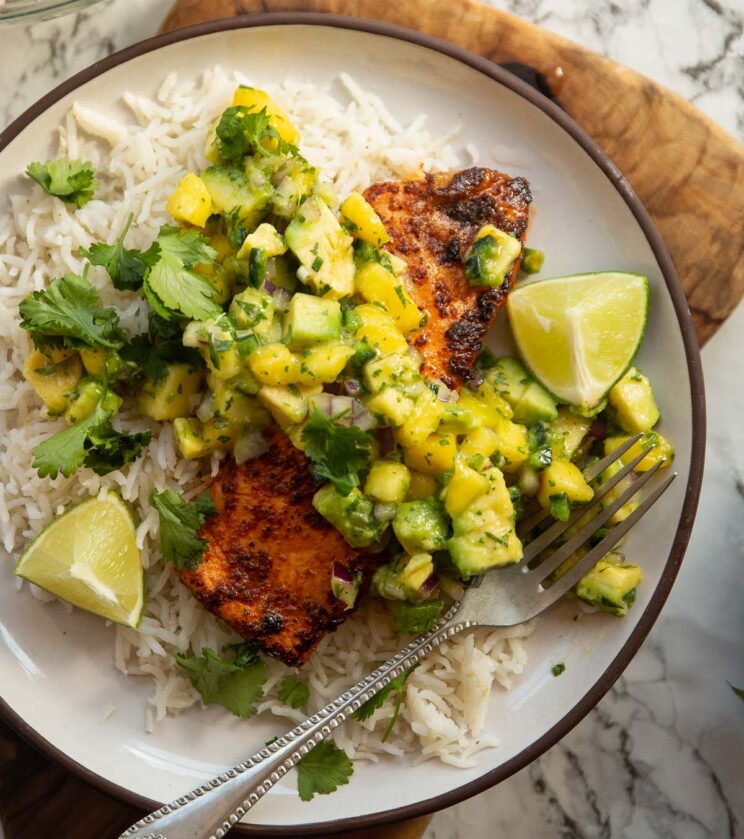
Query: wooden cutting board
[[688, 172]]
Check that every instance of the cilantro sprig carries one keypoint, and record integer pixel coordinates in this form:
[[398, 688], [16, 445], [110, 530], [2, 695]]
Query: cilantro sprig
[[73, 181], [126, 266], [397, 686], [242, 131], [68, 311], [172, 288], [323, 770], [233, 684], [179, 525], [293, 692], [339, 453], [92, 442]]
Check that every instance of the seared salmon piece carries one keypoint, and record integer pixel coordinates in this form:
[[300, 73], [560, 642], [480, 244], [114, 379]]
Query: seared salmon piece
[[267, 570], [432, 221]]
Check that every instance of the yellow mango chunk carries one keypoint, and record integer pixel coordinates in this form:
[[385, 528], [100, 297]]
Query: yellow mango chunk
[[375, 284], [259, 100], [379, 329], [658, 447], [191, 201], [563, 477], [274, 364], [464, 487], [365, 223], [435, 455]]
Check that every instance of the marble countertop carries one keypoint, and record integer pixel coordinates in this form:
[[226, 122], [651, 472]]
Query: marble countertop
[[660, 756]]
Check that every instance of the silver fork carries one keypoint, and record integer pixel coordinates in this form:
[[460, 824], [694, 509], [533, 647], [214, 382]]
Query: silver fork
[[504, 597]]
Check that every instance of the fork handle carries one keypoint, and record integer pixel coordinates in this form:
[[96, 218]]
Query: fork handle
[[210, 810]]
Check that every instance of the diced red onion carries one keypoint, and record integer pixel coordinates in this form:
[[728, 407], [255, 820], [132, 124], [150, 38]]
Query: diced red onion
[[334, 388], [383, 511], [477, 380], [599, 428], [331, 405], [268, 286], [428, 586], [249, 447], [361, 417], [352, 387], [345, 585]]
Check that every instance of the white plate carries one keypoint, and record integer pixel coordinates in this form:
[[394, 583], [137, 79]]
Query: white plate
[[56, 673]]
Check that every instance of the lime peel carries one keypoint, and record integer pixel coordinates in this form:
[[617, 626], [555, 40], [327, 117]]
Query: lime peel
[[579, 334], [89, 557]]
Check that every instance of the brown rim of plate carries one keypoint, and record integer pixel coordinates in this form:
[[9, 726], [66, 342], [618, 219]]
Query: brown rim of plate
[[692, 354]]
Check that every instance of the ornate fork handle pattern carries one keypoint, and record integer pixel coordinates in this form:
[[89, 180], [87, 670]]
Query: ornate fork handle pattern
[[200, 814]]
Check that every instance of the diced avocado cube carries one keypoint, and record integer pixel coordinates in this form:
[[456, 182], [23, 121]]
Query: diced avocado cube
[[390, 406], [242, 412], [95, 358], [529, 400], [85, 397], [402, 579], [287, 406], [458, 419], [352, 515], [266, 238], [610, 586], [633, 403], [174, 395], [53, 379], [532, 261], [422, 424], [464, 487], [323, 248], [421, 526], [311, 320], [491, 256], [388, 481], [562, 477], [232, 191], [535, 405], [389, 370]]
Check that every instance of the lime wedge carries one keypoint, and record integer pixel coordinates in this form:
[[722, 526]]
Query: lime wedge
[[89, 557], [578, 334]]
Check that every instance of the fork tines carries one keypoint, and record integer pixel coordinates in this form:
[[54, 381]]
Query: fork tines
[[546, 538]]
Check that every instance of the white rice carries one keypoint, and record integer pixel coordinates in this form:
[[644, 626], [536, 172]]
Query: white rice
[[355, 140]]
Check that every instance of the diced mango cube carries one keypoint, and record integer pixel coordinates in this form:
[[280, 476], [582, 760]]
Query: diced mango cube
[[365, 223], [435, 455], [274, 364], [259, 100], [376, 284], [191, 201], [378, 328], [563, 477], [423, 422], [658, 448], [390, 406], [464, 487]]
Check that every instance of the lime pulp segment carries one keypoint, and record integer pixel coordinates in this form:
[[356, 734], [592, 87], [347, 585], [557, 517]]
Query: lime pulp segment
[[579, 334], [89, 557]]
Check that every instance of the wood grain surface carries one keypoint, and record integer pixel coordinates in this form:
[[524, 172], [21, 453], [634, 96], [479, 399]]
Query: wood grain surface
[[688, 172]]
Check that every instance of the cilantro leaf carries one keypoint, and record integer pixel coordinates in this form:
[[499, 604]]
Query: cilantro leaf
[[65, 451], [323, 769], [68, 309], [179, 524], [126, 267], [92, 442], [293, 692], [170, 285], [74, 181], [378, 700], [152, 359], [242, 131], [111, 449], [338, 452], [221, 682], [415, 618]]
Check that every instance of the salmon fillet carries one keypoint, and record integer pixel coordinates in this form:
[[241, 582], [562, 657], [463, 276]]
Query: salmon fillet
[[267, 570], [432, 221]]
